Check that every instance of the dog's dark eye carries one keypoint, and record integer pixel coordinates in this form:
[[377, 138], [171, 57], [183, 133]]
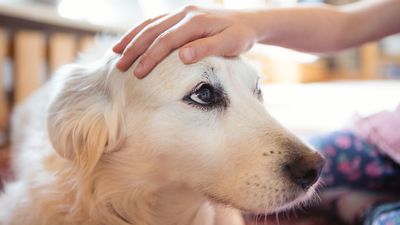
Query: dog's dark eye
[[258, 92], [206, 96], [203, 95]]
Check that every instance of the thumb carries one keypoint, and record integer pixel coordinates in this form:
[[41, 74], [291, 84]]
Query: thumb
[[200, 48]]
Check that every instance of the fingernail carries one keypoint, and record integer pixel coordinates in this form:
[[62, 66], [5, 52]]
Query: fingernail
[[139, 70], [188, 54]]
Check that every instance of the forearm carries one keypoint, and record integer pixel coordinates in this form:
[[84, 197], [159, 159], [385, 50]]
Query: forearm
[[323, 28], [371, 21]]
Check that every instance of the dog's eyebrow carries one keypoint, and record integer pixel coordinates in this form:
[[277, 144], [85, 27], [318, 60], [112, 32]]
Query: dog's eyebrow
[[210, 75]]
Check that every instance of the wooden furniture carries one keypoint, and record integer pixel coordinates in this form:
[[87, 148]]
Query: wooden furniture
[[34, 42]]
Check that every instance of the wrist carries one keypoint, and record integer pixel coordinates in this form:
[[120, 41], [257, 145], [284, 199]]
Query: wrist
[[254, 22]]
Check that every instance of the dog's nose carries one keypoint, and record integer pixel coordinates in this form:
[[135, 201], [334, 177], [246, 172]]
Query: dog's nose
[[305, 171]]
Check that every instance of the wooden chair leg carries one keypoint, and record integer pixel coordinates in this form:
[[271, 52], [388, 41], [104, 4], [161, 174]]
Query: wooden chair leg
[[29, 61]]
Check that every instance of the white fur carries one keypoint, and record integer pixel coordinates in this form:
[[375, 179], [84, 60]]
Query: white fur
[[133, 152]]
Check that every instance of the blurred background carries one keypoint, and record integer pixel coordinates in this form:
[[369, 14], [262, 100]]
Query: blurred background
[[307, 93]]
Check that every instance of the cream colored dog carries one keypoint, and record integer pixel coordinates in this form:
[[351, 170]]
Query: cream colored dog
[[187, 145]]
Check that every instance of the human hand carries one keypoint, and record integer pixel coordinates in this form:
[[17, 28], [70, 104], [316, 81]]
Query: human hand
[[198, 32]]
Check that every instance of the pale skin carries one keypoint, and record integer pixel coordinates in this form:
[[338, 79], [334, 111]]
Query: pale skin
[[200, 32]]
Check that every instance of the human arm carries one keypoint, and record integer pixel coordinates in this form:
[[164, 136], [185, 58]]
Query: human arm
[[200, 32]]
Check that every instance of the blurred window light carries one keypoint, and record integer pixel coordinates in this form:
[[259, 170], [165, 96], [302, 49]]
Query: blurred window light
[[121, 13], [118, 13], [157, 7], [76, 9], [283, 54], [243, 4]]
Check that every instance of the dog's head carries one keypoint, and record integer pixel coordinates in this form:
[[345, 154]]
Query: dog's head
[[201, 125]]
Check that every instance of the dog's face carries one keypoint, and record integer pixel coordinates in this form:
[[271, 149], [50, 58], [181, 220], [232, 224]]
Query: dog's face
[[201, 125]]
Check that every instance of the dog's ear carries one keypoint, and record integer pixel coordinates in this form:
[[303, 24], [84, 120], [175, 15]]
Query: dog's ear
[[85, 119]]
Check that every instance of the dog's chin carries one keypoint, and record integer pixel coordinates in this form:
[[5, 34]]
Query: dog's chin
[[220, 201], [300, 200], [294, 201], [303, 198]]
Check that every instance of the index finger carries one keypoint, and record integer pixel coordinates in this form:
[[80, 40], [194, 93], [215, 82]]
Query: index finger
[[120, 46]]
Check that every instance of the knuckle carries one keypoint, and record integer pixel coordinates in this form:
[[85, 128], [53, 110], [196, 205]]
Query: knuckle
[[163, 38], [198, 18], [150, 29], [130, 50], [133, 50], [130, 54], [190, 8], [246, 42], [238, 49], [150, 58], [211, 46], [147, 21], [234, 50], [206, 47], [240, 43], [144, 58], [160, 46], [158, 50]]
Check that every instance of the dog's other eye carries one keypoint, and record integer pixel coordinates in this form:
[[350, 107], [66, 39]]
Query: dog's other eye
[[203, 95], [258, 92], [206, 96]]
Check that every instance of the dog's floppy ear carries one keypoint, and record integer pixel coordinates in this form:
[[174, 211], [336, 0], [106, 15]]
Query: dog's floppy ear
[[85, 119]]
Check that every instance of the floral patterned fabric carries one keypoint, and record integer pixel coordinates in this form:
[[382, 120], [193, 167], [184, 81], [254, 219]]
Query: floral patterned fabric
[[352, 162], [358, 179]]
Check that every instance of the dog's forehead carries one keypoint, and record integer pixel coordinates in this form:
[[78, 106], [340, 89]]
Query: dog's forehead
[[231, 74], [225, 70]]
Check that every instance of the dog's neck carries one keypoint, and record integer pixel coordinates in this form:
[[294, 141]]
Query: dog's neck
[[170, 205], [145, 196], [102, 199]]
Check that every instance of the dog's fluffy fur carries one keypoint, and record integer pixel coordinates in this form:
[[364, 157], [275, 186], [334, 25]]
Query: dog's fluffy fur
[[97, 146]]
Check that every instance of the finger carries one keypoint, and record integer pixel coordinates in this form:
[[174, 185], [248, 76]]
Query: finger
[[120, 46], [198, 49], [226, 43], [144, 39], [168, 41]]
